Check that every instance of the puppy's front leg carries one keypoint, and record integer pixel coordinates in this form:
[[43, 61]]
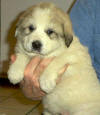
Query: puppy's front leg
[[16, 70], [49, 76]]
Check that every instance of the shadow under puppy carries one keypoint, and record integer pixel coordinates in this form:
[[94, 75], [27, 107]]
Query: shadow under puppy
[[46, 31]]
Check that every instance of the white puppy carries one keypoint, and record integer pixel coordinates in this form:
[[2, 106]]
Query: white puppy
[[46, 31]]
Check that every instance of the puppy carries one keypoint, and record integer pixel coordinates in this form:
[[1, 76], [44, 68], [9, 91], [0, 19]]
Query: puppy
[[46, 31]]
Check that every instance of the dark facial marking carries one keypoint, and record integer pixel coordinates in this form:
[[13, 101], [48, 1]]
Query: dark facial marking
[[50, 31], [67, 37], [27, 30], [68, 40]]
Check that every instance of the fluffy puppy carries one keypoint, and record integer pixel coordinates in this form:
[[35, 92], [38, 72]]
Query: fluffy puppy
[[46, 31]]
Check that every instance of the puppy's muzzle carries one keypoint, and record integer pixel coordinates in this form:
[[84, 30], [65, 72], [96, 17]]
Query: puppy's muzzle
[[36, 45]]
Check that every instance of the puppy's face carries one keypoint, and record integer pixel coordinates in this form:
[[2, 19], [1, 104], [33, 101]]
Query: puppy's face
[[41, 30]]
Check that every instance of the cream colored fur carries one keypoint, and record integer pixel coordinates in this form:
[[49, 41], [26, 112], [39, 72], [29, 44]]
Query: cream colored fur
[[79, 89]]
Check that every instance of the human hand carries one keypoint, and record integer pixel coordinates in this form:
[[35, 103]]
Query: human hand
[[30, 85]]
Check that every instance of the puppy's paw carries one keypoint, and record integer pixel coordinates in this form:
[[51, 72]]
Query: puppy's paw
[[15, 74], [48, 82]]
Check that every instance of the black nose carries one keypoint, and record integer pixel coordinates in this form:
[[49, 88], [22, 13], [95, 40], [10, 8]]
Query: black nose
[[36, 45]]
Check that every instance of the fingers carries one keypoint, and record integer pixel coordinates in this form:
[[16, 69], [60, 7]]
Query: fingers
[[30, 84], [40, 68], [61, 72], [63, 69], [42, 65], [32, 66], [34, 70], [29, 70], [13, 58]]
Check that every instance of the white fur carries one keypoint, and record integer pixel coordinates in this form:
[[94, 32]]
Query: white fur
[[16, 70], [79, 89]]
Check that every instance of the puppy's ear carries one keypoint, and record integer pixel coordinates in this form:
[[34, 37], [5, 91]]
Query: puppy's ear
[[68, 39], [68, 31]]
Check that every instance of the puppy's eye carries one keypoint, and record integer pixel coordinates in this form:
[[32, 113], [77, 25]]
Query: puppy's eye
[[31, 28], [49, 31]]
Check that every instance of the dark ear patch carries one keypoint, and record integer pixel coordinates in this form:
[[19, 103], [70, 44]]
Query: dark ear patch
[[67, 34], [68, 40]]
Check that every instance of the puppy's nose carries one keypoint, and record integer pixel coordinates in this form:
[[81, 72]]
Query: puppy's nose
[[36, 45]]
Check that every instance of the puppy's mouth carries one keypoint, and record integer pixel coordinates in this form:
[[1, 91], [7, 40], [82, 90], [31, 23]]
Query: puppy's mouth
[[32, 52], [47, 53], [39, 53]]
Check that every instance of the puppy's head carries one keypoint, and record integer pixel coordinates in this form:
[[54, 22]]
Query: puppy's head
[[43, 29]]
